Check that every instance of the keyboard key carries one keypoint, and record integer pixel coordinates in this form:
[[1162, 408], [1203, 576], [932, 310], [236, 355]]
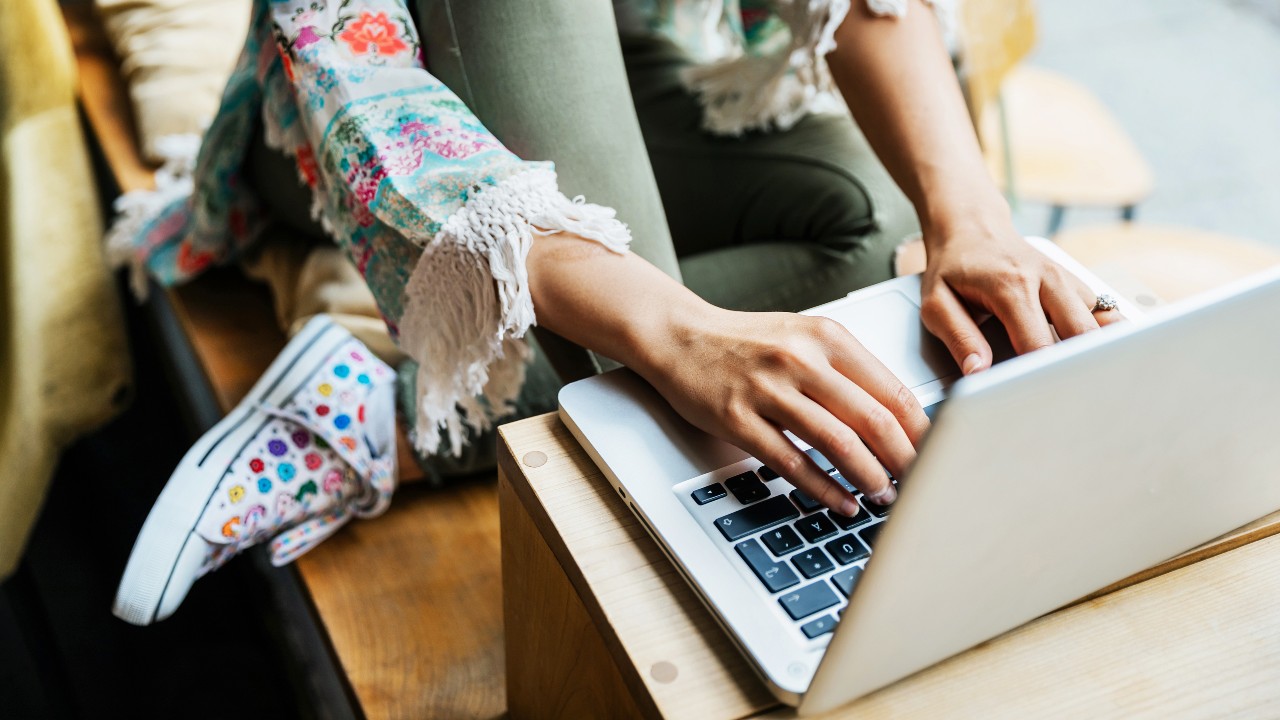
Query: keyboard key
[[747, 488], [812, 562], [848, 486], [816, 527], [775, 575], [753, 518], [846, 579], [822, 461], [714, 491], [845, 522], [768, 473], [869, 534], [819, 627], [783, 540], [806, 503], [873, 508], [808, 600], [847, 549]]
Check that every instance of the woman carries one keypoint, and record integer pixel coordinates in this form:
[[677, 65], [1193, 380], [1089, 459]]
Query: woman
[[775, 202]]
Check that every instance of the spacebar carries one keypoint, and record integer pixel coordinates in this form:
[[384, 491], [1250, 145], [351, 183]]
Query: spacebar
[[777, 509]]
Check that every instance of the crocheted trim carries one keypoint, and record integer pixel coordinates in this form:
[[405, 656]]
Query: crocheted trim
[[468, 307], [774, 91], [136, 209]]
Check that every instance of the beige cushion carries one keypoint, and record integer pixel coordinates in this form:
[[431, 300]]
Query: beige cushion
[[64, 361], [176, 56]]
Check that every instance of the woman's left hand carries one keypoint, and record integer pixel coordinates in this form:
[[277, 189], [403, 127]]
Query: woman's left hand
[[988, 266]]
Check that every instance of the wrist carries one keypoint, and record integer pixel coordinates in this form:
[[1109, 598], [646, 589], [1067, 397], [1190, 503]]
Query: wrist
[[673, 331], [984, 215]]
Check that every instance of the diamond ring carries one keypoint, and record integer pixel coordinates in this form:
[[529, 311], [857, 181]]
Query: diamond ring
[[1105, 302]]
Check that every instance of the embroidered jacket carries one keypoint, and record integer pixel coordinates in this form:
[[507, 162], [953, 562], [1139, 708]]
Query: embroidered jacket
[[435, 213]]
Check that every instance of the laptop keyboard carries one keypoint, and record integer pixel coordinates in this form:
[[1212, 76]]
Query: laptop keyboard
[[807, 558]]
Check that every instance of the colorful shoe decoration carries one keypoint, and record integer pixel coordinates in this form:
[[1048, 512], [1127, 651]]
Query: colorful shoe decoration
[[312, 446]]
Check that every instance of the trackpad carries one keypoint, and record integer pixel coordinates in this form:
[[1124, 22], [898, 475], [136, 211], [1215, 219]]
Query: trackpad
[[888, 324]]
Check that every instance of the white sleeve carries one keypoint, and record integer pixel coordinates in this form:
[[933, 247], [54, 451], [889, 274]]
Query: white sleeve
[[775, 90], [468, 306]]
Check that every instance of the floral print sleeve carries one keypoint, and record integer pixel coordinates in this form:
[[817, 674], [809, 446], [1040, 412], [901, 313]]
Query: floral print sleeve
[[436, 214]]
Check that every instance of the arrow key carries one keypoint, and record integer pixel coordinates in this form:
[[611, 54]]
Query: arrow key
[[808, 600], [775, 575]]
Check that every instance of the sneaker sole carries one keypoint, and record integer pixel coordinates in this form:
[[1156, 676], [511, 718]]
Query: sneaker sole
[[170, 526]]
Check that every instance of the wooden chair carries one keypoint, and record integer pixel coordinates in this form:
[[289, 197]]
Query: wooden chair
[[1046, 138], [1156, 263]]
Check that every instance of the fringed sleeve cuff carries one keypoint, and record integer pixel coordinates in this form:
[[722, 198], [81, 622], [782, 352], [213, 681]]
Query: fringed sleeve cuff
[[128, 242], [468, 306], [774, 91]]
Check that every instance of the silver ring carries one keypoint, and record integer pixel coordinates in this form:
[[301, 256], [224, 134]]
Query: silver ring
[[1105, 302]]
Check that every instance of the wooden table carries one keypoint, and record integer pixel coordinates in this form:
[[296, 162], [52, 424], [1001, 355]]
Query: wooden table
[[600, 624]]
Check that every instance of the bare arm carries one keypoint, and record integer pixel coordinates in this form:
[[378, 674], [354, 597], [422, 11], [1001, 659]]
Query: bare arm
[[898, 81]]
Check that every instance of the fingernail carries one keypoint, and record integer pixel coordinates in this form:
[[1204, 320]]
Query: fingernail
[[885, 496], [972, 363], [849, 507]]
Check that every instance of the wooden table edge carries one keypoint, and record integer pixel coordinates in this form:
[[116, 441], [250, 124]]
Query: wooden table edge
[[508, 472]]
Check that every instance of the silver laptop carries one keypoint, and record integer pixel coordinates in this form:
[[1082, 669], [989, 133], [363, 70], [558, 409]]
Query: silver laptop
[[1045, 478]]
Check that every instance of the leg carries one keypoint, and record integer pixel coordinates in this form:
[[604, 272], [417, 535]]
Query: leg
[[776, 221], [547, 79]]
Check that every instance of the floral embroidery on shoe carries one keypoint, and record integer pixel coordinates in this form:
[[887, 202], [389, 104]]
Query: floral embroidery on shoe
[[373, 33]]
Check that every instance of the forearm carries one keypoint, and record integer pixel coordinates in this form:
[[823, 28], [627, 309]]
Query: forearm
[[616, 304], [897, 79]]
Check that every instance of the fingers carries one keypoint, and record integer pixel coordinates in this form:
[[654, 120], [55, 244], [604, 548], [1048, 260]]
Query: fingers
[[859, 393], [887, 436], [946, 317], [1107, 317], [1024, 319], [1102, 317], [767, 443], [872, 385], [1062, 302], [841, 445]]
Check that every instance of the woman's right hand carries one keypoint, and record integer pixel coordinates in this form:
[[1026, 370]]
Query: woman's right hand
[[745, 377]]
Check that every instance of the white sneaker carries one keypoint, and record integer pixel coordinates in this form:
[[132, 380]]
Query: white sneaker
[[310, 447]]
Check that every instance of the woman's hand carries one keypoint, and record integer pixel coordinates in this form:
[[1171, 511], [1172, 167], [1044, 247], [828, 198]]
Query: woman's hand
[[744, 377], [987, 266]]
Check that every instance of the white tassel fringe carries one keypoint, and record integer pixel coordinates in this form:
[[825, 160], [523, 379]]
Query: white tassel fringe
[[136, 208], [468, 307]]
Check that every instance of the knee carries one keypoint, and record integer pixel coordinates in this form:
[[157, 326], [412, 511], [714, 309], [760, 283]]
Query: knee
[[852, 215]]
